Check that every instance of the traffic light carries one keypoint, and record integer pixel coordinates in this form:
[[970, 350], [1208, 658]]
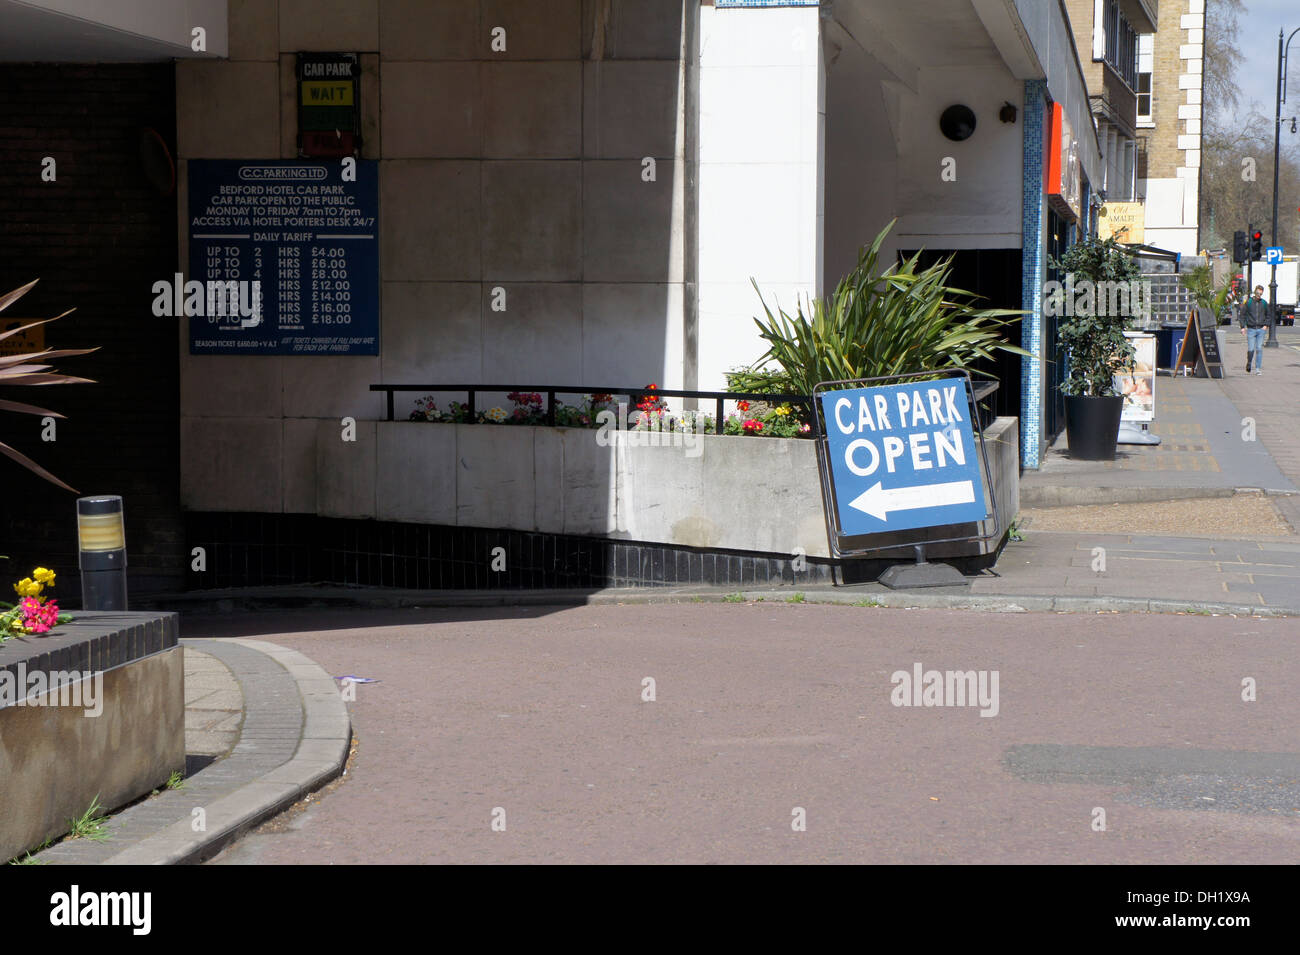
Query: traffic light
[[1239, 249], [1256, 246]]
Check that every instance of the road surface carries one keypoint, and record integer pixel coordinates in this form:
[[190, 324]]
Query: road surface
[[1112, 739]]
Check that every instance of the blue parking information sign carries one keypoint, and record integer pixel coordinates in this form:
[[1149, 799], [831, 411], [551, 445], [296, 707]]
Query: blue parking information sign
[[1273, 255], [306, 233], [903, 456]]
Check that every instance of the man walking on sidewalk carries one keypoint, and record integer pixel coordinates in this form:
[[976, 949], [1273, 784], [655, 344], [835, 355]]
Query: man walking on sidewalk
[[1253, 318]]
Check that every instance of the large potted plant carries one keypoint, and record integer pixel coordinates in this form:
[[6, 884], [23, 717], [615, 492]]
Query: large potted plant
[[1094, 307]]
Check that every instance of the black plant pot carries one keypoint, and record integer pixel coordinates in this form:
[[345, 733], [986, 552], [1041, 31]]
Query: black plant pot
[[1092, 426]]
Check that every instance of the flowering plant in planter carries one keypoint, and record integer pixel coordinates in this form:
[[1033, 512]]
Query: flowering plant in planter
[[426, 409], [652, 413], [528, 408], [34, 612]]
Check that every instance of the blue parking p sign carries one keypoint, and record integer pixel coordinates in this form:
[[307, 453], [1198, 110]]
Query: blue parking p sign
[[1273, 255], [903, 456]]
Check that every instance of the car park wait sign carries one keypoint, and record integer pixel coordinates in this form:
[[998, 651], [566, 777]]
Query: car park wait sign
[[903, 456]]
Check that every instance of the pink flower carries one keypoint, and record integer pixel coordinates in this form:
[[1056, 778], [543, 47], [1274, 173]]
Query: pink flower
[[39, 616]]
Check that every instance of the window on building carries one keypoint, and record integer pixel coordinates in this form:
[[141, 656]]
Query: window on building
[[1145, 67], [1121, 43]]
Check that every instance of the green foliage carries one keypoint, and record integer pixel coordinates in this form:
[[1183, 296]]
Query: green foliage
[[736, 598], [795, 599], [899, 320], [29, 858], [1095, 342], [32, 368], [1200, 282], [90, 825]]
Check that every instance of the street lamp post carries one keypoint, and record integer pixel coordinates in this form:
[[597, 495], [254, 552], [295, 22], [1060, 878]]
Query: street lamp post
[[1282, 51]]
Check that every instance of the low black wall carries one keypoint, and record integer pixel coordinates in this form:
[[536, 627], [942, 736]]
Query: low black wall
[[248, 550]]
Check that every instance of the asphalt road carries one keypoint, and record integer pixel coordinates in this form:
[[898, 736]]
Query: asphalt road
[[763, 709]]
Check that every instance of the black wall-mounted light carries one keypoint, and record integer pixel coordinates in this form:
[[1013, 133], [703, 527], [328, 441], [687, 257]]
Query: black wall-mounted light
[[957, 123], [1007, 113]]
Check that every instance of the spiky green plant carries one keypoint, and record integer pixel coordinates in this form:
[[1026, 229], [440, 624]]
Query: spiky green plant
[[27, 369], [894, 321], [1200, 282]]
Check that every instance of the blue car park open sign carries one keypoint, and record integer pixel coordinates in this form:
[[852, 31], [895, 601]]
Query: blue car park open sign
[[307, 233], [902, 456]]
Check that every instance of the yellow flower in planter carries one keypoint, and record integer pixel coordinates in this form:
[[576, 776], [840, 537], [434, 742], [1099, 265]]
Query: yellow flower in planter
[[496, 414], [27, 588], [43, 576], [783, 410]]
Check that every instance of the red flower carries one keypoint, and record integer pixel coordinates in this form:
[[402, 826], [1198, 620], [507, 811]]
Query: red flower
[[742, 405], [753, 426]]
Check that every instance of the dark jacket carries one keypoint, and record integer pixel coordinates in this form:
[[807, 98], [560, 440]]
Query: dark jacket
[[1253, 314]]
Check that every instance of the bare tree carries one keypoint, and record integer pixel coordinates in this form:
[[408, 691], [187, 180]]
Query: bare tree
[[1222, 56], [1237, 151]]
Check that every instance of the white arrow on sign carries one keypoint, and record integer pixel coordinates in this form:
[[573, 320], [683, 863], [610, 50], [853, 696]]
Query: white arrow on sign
[[878, 503]]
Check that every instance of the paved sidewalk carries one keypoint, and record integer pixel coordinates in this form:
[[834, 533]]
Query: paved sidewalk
[[1206, 446], [1272, 400], [264, 725], [214, 708], [1262, 574]]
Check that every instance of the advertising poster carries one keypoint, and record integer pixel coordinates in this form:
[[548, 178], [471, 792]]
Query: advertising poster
[[1139, 388]]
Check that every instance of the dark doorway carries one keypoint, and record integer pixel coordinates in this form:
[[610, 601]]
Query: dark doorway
[[994, 276], [97, 233]]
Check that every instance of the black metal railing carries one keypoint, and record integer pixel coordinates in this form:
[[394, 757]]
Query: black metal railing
[[719, 397], [983, 390]]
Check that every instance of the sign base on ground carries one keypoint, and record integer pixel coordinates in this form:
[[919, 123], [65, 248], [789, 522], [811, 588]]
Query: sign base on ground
[[924, 574]]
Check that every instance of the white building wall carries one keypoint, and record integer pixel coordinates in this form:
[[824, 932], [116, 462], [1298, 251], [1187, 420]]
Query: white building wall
[[981, 206], [758, 182]]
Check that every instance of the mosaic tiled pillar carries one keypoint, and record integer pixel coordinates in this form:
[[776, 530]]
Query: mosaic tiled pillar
[[1031, 276]]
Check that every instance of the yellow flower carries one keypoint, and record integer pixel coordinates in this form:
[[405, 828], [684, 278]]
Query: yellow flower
[[27, 588], [783, 410], [43, 575]]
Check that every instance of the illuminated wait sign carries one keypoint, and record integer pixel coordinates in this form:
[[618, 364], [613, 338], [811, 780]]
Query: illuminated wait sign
[[903, 456], [329, 122]]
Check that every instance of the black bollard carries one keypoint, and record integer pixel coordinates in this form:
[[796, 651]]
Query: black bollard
[[101, 536]]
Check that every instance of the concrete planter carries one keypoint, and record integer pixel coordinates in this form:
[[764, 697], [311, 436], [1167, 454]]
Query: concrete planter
[[758, 495], [114, 732], [709, 491]]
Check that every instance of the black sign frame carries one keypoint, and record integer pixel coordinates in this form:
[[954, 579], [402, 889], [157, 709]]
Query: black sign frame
[[856, 546], [1200, 348], [330, 62]]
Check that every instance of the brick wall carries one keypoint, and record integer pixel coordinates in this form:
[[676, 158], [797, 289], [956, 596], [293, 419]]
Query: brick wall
[[97, 238], [1163, 154]]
